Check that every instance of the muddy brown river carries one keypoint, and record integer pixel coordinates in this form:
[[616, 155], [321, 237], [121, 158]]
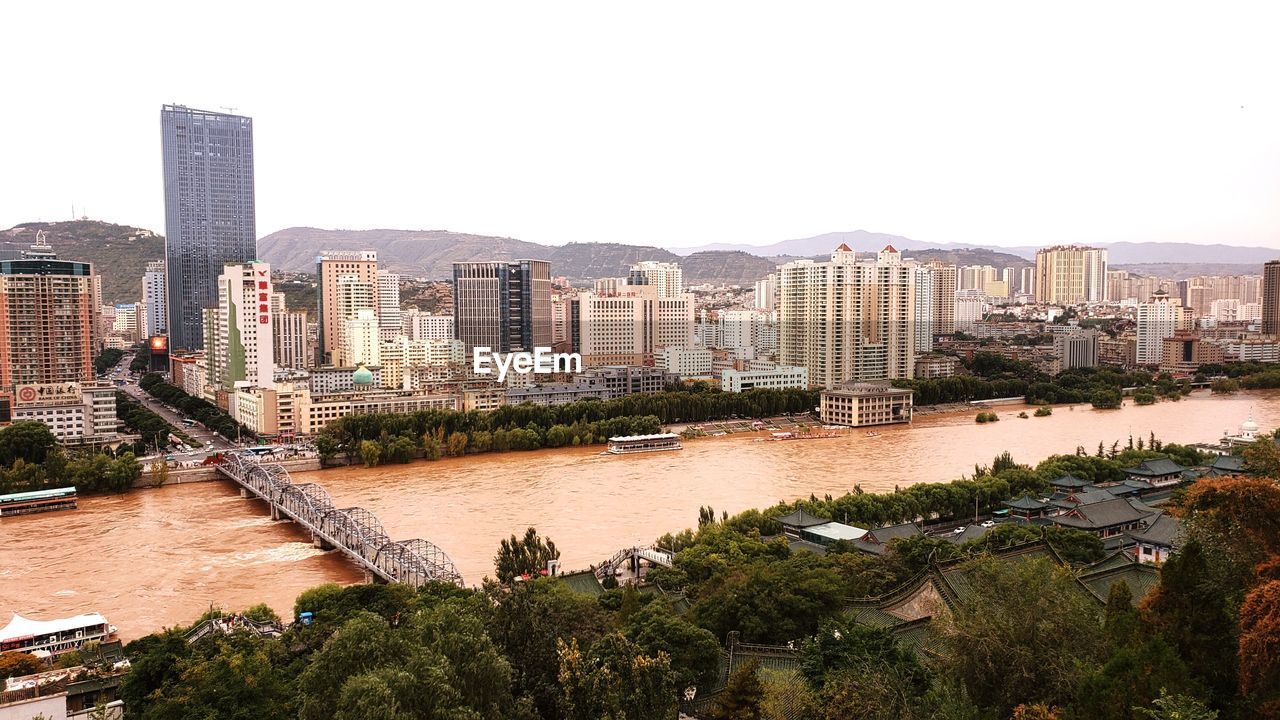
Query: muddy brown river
[[153, 558]]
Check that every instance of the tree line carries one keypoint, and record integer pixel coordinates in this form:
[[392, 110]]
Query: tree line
[[32, 459], [198, 409], [379, 438]]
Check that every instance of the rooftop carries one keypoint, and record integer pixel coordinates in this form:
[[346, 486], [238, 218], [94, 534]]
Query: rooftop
[[1156, 466]]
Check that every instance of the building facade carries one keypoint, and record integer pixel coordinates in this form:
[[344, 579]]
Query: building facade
[[155, 301], [844, 320], [239, 333], [1158, 318], [1071, 274], [335, 269], [505, 306], [209, 210], [667, 278], [776, 378], [865, 403]]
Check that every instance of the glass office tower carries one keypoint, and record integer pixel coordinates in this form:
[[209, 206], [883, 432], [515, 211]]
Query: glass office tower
[[208, 209]]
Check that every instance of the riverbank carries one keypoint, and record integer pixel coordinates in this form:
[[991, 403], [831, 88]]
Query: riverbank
[[150, 559]]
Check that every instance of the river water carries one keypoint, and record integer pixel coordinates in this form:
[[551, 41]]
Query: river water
[[153, 558]]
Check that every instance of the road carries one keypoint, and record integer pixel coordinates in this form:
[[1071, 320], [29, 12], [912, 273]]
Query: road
[[212, 442]]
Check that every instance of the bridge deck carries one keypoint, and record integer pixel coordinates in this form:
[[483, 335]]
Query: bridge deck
[[355, 531]]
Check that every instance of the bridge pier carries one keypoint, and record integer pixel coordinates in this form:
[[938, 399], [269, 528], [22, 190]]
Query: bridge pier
[[321, 543], [275, 512], [244, 493], [373, 578]]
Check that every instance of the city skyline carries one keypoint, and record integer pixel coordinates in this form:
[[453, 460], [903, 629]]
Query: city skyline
[[792, 130]]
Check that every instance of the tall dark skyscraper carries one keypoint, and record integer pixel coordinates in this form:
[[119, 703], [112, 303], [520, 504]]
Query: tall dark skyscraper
[[502, 305], [1271, 298], [208, 210]]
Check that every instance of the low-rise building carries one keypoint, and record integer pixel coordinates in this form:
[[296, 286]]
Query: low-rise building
[[865, 403], [687, 362], [622, 380], [76, 413], [558, 393], [775, 378], [1183, 353], [328, 379], [935, 365]]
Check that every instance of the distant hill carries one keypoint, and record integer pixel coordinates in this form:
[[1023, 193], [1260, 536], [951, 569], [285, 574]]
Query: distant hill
[[1182, 271], [970, 256], [119, 253], [431, 254], [1118, 253]]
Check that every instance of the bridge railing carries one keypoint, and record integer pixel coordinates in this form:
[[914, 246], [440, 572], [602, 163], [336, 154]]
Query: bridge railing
[[355, 531]]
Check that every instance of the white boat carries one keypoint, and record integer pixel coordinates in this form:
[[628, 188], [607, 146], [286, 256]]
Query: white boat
[[54, 637], [626, 444]]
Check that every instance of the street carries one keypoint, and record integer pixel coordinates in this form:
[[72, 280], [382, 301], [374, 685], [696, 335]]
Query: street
[[212, 442]]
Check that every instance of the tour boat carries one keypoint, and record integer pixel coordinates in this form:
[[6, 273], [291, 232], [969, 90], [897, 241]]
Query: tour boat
[[54, 637], [626, 444], [36, 501]]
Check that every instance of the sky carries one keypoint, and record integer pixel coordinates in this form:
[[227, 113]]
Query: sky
[[668, 123]]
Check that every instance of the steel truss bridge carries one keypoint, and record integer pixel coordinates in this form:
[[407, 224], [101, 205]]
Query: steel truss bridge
[[354, 531]]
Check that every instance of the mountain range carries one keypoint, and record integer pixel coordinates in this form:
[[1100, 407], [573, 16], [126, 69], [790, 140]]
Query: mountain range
[[119, 252], [1118, 253]]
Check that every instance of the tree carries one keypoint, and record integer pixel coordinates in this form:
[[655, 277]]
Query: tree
[[1260, 644], [787, 696], [14, 664], [28, 441], [694, 652], [1262, 457], [1106, 398], [743, 694], [523, 556], [370, 453], [615, 681], [528, 620], [1176, 707], [159, 470], [457, 444], [1026, 634], [1191, 608]]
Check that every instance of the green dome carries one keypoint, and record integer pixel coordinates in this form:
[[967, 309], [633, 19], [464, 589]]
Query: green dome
[[362, 376]]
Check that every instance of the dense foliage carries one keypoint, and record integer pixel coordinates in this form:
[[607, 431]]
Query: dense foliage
[[107, 359], [382, 438], [153, 431], [202, 411], [1028, 642], [994, 376], [31, 459]]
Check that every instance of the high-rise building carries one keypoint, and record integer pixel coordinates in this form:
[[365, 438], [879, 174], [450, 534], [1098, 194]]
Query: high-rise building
[[844, 320], [666, 277], [389, 323], [48, 327], [943, 276], [1158, 318], [418, 325], [208, 208], [767, 292], [1271, 298], [356, 299], [969, 308], [503, 305], [47, 316], [360, 340], [1027, 280], [238, 332], [975, 277], [1071, 274], [360, 265], [924, 310], [289, 335], [155, 319]]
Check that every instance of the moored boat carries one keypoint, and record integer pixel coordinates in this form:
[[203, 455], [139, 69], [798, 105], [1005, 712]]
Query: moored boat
[[35, 501], [54, 637], [626, 444]]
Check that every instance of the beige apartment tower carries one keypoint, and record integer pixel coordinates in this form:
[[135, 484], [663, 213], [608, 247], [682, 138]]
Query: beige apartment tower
[[331, 265]]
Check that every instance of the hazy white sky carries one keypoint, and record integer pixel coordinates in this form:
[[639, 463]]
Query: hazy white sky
[[668, 123]]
